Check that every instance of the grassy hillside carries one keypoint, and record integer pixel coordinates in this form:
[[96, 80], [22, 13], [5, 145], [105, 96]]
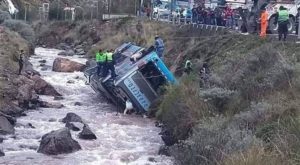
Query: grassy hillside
[[248, 110], [11, 44]]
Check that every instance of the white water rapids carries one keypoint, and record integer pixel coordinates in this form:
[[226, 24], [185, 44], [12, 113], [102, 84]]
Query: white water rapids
[[120, 140]]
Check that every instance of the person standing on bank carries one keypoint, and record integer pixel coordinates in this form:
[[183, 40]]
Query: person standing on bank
[[263, 23], [159, 47], [21, 61], [282, 18]]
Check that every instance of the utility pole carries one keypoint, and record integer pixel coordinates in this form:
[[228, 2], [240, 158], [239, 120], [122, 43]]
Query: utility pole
[[109, 8], [58, 6], [135, 11], [26, 8], [97, 10]]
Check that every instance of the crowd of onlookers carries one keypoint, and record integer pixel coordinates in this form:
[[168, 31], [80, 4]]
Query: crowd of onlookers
[[221, 16]]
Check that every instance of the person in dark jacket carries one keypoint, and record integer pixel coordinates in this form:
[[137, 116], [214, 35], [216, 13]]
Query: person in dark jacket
[[159, 46], [282, 18], [21, 61]]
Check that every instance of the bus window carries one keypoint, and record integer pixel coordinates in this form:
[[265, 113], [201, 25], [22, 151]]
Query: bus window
[[153, 75]]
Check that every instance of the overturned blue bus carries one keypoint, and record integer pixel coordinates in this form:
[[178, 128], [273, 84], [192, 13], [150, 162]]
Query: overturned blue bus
[[140, 72]]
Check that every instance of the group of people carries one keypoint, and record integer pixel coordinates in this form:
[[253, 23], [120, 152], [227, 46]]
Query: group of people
[[282, 18], [225, 16], [105, 63]]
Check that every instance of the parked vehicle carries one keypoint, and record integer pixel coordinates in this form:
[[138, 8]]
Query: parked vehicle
[[141, 74], [272, 8]]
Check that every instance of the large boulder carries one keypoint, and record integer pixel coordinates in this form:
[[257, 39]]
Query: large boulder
[[43, 88], [11, 119], [12, 110], [5, 126], [167, 137], [72, 117], [87, 134], [66, 65], [58, 142]]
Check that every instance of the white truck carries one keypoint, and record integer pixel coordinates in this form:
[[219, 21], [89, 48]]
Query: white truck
[[272, 8]]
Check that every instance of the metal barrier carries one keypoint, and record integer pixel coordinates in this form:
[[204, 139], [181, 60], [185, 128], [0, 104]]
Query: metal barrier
[[184, 22]]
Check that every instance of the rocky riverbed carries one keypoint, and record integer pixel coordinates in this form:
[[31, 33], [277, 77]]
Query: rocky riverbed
[[120, 139]]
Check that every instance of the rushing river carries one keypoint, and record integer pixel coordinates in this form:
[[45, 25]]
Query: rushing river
[[120, 140]]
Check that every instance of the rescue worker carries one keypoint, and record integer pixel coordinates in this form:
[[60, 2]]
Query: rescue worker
[[263, 23], [297, 20], [159, 47], [21, 61], [100, 59], [282, 18], [110, 64]]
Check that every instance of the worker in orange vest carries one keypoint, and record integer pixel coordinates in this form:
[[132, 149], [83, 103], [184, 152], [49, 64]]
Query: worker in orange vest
[[263, 23]]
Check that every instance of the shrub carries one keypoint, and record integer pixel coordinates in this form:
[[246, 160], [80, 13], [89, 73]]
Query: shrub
[[254, 156], [4, 16], [217, 96], [211, 141], [22, 28], [182, 107]]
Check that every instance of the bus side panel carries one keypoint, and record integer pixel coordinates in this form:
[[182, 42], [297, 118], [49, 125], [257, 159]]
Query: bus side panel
[[138, 90]]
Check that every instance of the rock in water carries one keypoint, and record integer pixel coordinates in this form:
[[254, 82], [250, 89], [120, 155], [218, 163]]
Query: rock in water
[[167, 137], [72, 127], [5, 126], [1, 153], [45, 104], [66, 65], [78, 104], [58, 142], [43, 88], [87, 134], [63, 53], [72, 117], [71, 82], [42, 61], [58, 98], [164, 150]]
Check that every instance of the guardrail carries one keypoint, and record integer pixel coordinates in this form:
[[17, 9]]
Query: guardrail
[[173, 19]]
